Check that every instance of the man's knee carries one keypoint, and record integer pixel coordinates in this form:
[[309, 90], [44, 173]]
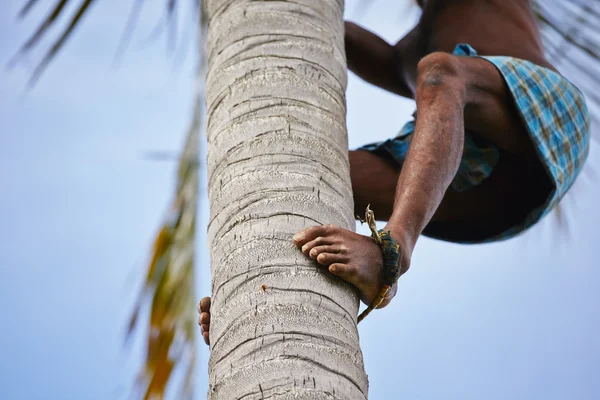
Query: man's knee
[[440, 72]]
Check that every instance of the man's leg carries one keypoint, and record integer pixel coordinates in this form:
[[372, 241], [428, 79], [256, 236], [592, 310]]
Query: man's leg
[[501, 201], [375, 178], [453, 94]]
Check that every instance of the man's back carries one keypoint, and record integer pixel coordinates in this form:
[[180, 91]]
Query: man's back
[[493, 27]]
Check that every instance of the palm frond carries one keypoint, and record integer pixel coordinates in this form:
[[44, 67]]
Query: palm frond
[[134, 15], [168, 287], [572, 42], [58, 11], [172, 24], [27, 7], [42, 30], [169, 283], [169, 278]]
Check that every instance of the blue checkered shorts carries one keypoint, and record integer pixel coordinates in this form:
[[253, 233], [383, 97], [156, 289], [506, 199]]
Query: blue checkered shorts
[[557, 119]]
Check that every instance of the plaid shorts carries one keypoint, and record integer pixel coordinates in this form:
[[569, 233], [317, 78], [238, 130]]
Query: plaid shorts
[[557, 119]]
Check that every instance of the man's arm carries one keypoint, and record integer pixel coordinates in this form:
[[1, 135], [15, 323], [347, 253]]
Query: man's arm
[[374, 60]]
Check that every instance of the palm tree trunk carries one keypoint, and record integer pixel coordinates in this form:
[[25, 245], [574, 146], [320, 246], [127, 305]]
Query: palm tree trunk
[[278, 162]]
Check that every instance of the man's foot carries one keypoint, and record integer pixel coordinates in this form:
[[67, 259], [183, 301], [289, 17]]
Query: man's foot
[[204, 318], [355, 258]]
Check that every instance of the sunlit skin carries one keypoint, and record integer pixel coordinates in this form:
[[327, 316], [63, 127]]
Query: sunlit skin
[[453, 95]]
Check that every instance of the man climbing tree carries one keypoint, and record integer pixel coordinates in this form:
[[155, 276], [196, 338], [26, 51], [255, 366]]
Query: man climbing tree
[[499, 137]]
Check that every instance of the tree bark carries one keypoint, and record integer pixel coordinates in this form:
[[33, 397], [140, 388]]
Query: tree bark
[[281, 327]]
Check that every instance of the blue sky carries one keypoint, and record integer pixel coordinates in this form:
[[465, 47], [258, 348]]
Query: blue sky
[[80, 205]]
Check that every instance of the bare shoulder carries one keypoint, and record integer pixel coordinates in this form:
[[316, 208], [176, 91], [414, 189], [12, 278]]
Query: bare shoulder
[[492, 27]]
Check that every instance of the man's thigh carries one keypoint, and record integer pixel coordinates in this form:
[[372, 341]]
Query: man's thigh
[[513, 189], [490, 111], [375, 177]]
